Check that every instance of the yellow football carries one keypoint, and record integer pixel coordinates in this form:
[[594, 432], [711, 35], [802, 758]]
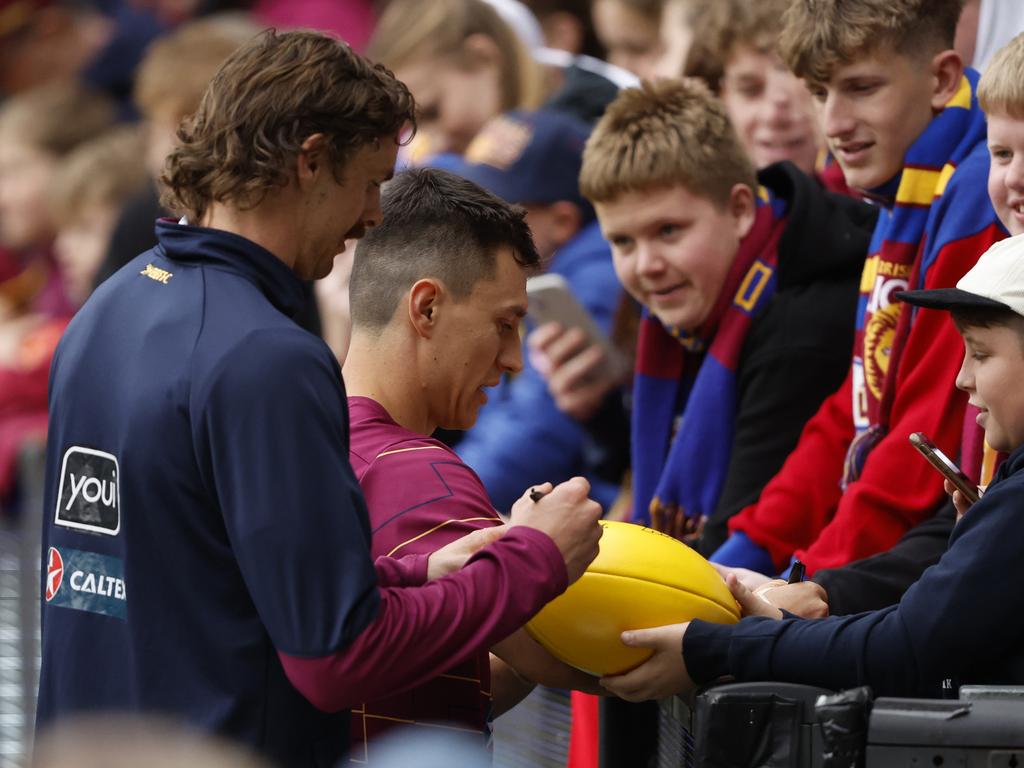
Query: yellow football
[[641, 578]]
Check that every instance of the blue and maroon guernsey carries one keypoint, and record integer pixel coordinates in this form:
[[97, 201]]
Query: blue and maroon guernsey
[[421, 496]]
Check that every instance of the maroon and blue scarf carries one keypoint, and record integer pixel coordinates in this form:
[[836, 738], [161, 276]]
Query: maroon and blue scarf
[[899, 258], [684, 399]]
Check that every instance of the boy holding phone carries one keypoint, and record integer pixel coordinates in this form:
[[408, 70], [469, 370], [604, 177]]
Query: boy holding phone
[[880, 580], [901, 117], [919, 647], [749, 286]]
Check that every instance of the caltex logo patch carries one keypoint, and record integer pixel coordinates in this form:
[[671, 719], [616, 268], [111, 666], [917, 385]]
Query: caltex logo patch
[[54, 573], [86, 581]]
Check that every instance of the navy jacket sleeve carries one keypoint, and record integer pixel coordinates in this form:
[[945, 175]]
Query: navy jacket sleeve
[[962, 618], [272, 431], [880, 580]]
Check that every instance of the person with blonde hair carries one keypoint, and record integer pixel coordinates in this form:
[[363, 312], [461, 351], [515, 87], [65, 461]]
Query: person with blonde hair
[[735, 51], [879, 581], [90, 189], [630, 31], [901, 116], [38, 129], [465, 64]]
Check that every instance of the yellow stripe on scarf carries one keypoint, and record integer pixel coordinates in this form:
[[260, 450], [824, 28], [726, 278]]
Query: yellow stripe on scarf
[[918, 186]]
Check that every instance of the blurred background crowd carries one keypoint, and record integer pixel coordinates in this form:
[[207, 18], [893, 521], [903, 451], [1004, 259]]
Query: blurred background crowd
[[92, 93]]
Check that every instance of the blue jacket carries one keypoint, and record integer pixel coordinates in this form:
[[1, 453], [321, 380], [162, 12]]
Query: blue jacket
[[201, 514], [520, 437], [962, 622]]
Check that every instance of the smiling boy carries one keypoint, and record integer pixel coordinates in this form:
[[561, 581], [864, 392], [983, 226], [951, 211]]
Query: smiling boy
[[748, 281], [900, 115], [922, 646]]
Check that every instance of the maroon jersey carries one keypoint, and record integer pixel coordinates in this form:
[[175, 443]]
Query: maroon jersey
[[420, 496]]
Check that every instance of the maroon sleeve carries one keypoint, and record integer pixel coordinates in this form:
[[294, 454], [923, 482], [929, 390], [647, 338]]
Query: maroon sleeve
[[421, 632]]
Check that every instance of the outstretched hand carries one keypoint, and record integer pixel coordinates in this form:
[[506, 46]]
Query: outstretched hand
[[663, 674], [751, 603], [452, 556]]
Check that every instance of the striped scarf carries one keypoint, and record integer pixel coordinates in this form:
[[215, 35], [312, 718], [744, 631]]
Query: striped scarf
[[677, 383], [893, 263]]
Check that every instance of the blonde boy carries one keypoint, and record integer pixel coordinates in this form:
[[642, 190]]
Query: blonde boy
[[900, 115], [749, 284], [1001, 95], [879, 581], [90, 188]]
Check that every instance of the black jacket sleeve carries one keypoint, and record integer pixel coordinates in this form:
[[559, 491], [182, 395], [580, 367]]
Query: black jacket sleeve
[[880, 580], [795, 356]]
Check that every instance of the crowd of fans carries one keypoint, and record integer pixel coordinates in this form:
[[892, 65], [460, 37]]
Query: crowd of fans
[[734, 200]]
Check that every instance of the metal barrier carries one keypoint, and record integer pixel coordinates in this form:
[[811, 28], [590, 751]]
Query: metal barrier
[[19, 609]]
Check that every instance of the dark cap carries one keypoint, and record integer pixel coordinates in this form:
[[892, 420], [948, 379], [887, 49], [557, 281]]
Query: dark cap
[[526, 157]]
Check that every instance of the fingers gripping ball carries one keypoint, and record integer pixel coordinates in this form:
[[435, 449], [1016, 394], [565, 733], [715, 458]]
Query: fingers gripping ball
[[641, 578]]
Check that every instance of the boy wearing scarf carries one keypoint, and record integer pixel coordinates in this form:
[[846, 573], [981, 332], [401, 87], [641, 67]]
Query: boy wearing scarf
[[901, 116], [749, 286], [880, 580]]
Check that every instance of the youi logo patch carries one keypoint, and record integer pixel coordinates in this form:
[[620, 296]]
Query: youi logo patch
[[89, 497]]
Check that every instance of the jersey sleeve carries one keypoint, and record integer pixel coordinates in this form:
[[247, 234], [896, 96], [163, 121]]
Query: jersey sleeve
[[423, 632]]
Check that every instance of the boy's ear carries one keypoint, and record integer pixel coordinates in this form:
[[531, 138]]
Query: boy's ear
[[743, 209], [424, 306], [312, 158], [947, 71]]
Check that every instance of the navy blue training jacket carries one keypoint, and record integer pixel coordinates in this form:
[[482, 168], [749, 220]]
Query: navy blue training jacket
[[191, 422]]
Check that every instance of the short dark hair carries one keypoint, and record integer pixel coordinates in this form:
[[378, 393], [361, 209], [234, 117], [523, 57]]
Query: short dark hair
[[989, 317], [435, 224], [267, 98]]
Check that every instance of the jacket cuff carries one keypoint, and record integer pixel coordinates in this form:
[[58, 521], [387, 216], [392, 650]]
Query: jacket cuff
[[706, 650]]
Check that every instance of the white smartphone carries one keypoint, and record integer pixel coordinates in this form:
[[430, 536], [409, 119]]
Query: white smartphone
[[551, 300]]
